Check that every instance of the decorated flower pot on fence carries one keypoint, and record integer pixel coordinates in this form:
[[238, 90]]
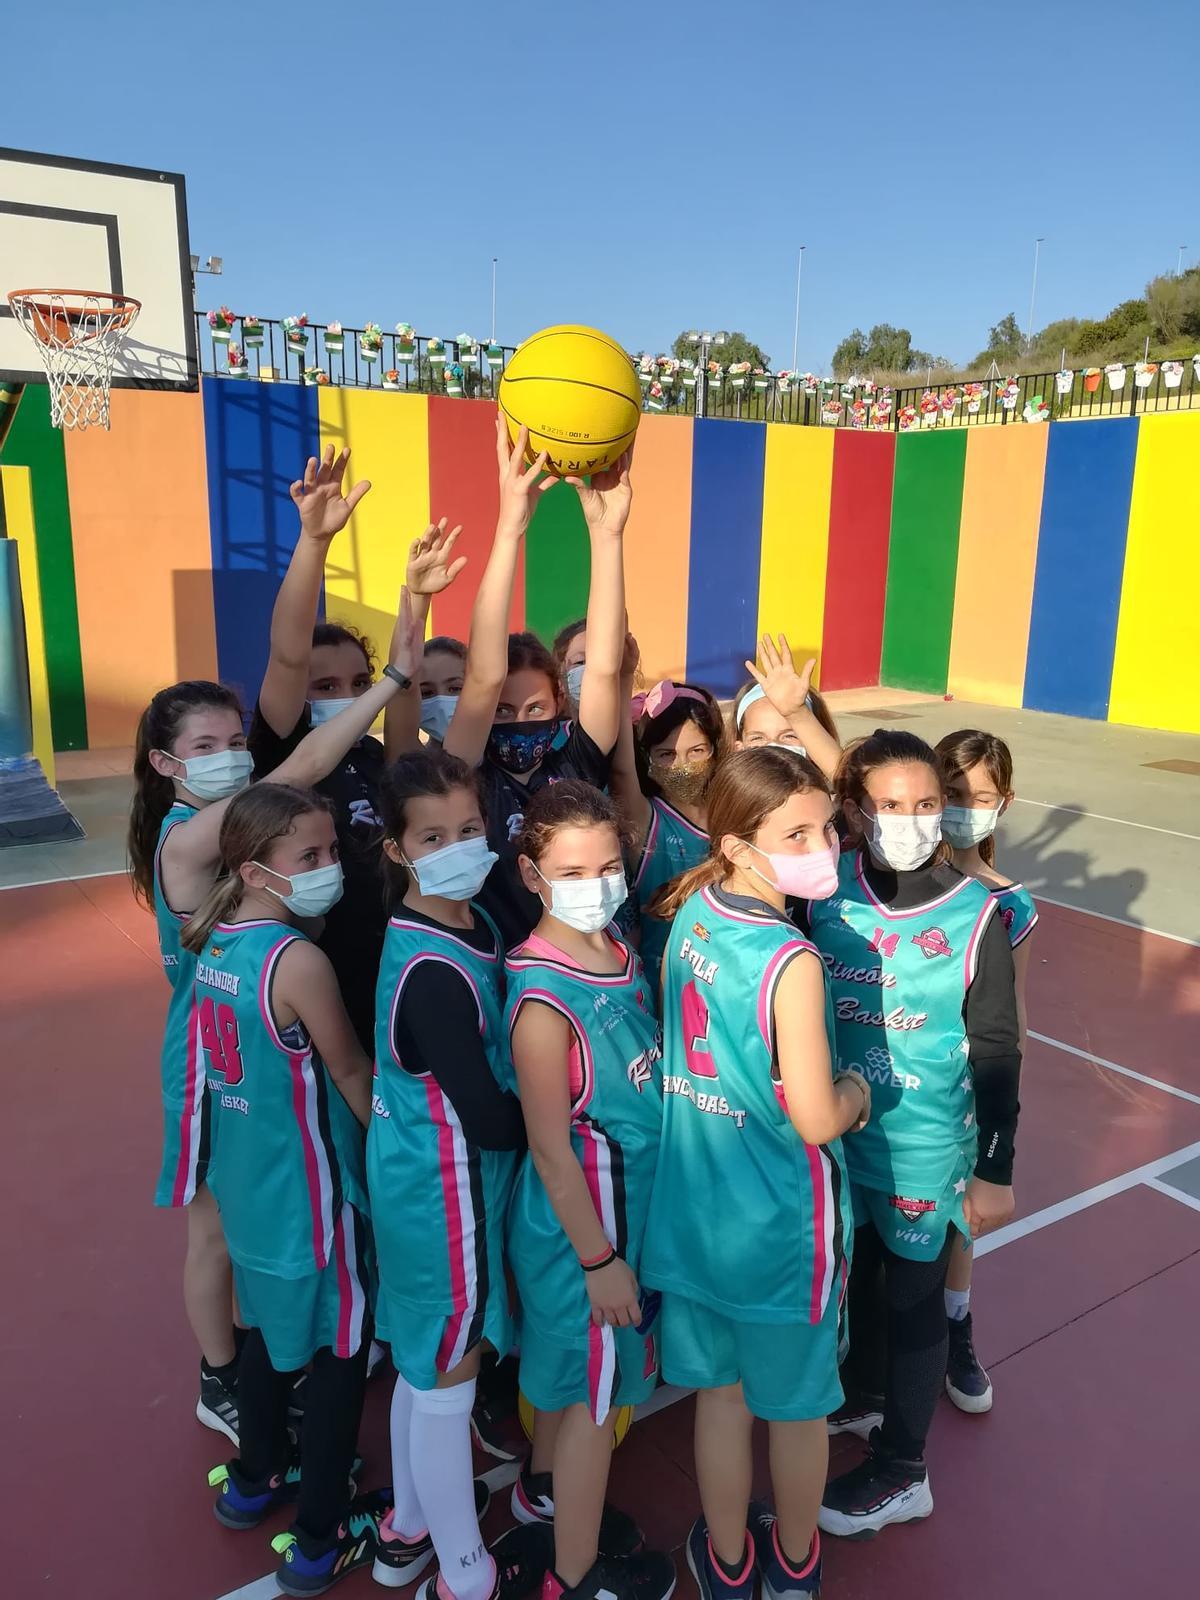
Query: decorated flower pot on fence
[[436, 351], [1196, 367], [908, 415], [237, 363], [831, 412], [655, 399], [1064, 381], [739, 372], [313, 375], [335, 339], [295, 332], [468, 350], [1115, 373], [370, 342], [221, 324], [495, 356], [688, 377], [406, 343], [1036, 410], [454, 380], [930, 409], [391, 379], [1143, 373], [1172, 372], [252, 333], [973, 395], [881, 413], [1091, 379], [761, 381]]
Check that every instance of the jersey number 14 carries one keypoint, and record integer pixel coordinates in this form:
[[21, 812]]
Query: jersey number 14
[[219, 1036]]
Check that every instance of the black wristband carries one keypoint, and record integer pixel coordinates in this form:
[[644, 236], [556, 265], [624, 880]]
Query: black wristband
[[599, 1266], [397, 676]]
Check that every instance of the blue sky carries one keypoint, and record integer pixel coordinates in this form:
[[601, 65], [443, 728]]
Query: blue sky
[[646, 167]]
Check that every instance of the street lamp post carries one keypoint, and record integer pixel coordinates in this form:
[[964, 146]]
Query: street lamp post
[[796, 324], [1037, 250], [1179, 261], [705, 342]]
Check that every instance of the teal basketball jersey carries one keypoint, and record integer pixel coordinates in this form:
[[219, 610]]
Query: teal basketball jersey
[[288, 1149], [1017, 912], [673, 845], [616, 1119], [439, 1203], [176, 961], [746, 1218], [187, 1143], [900, 981]]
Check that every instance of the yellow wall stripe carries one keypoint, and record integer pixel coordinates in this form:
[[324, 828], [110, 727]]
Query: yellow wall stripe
[[18, 511], [797, 482]]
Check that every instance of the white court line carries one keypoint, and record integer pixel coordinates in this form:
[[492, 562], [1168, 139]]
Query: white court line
[[70, 877], [1173, 1194], [1113, 1066], [1037, 1220], [1124, 922], [1099, 816]]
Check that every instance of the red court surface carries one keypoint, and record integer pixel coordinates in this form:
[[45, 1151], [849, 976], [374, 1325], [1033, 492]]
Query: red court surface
[[1086, 1306]]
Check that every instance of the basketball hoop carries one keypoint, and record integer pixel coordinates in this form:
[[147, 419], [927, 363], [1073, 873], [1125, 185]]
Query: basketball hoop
[[78, 333]]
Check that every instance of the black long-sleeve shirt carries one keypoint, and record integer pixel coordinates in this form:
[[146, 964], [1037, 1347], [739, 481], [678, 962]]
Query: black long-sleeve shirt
[[436, 1030], [989, 1014]]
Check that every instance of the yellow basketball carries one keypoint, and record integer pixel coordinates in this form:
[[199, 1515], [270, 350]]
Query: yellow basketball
[[624, 1418], [576, 391]]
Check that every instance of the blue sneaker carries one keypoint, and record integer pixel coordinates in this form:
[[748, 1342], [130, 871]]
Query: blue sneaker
[[711, 1579], [309, 1567], [243, 1504], [780, 1580]]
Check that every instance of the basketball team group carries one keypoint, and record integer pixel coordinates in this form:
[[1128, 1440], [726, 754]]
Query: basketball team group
[[575, 1037]]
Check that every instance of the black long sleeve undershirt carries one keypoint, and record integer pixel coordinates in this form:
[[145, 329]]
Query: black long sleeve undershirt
[[437, 1031]]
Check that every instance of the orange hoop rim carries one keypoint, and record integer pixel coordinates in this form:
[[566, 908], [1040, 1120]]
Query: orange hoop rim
[[45, 316]]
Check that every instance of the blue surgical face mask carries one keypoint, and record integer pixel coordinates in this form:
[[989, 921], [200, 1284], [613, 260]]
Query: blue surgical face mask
[[574, 682], [586, 904], [519, 746], [456, 871], [320, 711], [964, 826], [215, 776], [312, 893], [436, 713]]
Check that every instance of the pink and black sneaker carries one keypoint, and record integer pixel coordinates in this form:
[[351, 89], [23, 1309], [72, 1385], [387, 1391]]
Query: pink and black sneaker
[[713, 1579], [782, 1579]]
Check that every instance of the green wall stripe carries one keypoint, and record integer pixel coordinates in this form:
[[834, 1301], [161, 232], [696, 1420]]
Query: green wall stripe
[[923, 559], [33, 443], [558, 563]]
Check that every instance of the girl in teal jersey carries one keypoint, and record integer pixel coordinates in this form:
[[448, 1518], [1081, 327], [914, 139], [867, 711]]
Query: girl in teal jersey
[[925, 1007], [291, 1093], [750, 1225], [441, 1158], [190, 759], [586, 1050], [978, 773]]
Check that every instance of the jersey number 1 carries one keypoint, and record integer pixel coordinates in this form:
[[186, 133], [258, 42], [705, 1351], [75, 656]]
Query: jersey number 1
[[219, 1036]]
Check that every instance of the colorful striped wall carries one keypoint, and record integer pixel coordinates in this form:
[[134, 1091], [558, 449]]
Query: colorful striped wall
[[1055, 567]]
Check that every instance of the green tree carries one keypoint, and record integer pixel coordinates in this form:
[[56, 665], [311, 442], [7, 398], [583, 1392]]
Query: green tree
[[891, 349], [1006, 343], [851, 354], [737, 347]]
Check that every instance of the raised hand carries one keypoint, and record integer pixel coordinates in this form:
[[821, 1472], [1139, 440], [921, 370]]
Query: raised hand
[[631, 659], [324, 509], [430, 569], [519, 485], [785, 688], [608, 499], [408, 637]]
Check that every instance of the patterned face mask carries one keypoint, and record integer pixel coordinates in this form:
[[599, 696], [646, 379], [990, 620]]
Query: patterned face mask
[[520, 746], [687, 784]]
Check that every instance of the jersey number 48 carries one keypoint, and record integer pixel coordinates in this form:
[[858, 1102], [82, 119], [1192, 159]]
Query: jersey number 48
[[219, 1036]]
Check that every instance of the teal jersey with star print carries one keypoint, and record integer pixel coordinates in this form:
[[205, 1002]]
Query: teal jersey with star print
[[673, 846], [747, 1219], [1017, 912], [899, 981]]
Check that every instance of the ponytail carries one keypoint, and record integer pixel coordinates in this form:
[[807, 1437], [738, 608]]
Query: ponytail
[[219, 903], [665, 902]]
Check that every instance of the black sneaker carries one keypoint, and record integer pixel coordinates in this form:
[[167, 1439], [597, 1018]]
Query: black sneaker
[[533, 1501], [495, 1420], [217, 1406], [881, 1489], [858, 1416], [711, 1581], [400, 1561], [522, 1557], [967, 1384], [309, 1567], [649, 1576], [241, 1503], [780, 1581], [377, 1357]]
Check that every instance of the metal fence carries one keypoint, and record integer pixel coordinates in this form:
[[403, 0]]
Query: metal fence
[[272, 353]]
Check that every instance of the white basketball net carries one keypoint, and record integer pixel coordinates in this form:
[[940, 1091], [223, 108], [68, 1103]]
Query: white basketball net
[[78, 336]]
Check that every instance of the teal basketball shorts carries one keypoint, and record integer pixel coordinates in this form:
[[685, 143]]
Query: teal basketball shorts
[[914, 1225]]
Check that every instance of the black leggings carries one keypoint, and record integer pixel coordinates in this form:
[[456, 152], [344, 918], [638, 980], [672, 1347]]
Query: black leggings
[[898, 1337], [333, 1402]]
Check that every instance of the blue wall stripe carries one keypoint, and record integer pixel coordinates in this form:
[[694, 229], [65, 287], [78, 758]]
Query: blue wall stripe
[[1080, 560], [257, 439], [728, 461]]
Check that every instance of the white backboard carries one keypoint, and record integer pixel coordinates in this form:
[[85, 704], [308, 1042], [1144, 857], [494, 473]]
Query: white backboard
[[67, 224]]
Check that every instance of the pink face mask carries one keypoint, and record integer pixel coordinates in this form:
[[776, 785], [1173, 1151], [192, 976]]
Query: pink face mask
[[813, 876]]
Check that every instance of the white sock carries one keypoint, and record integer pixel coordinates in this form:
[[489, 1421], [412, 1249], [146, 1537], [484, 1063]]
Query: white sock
[[407, 1519], [440, 1454], [958, 1303]]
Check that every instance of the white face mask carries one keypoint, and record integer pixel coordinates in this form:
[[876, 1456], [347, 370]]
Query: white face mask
[[574, 682], [965, 826], [456, 871], [320, 711], [216, 776], [903, 843], [436, 713], [586, 904], [312, 893]]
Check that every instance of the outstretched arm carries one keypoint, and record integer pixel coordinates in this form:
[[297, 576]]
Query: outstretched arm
[[432, 568], [623, 781], [324, 511], [787, 690], [606, 503], [487, 649]]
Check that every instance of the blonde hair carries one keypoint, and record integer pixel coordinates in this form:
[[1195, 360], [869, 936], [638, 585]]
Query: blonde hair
[[255, 819], [971, 747], [747, 787]]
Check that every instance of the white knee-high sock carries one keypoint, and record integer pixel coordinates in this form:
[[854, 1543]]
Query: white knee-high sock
[[407, 1518], [440, 1461]]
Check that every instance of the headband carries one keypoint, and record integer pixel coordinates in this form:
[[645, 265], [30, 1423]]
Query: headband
[[659, 698], [759, 693]]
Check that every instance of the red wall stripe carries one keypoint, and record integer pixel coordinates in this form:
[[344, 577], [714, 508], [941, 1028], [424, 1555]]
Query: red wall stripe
[[860, 514], [462, 488]]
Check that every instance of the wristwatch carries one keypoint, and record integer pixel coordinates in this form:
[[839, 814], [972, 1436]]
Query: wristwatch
[[397, 676]]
